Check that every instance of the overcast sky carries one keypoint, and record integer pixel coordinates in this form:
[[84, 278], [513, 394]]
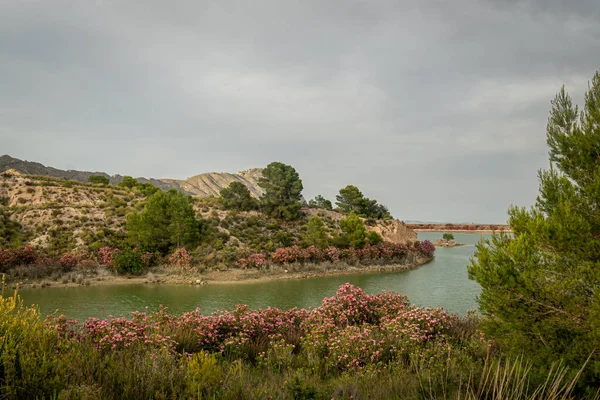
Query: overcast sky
[[435, 108]]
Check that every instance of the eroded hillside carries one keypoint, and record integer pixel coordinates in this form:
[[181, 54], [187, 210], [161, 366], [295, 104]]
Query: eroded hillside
[[202, 185], [62, 215]]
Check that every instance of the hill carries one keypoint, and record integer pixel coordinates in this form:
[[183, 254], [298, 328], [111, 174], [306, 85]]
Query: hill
[[62, 215], [203, 185]]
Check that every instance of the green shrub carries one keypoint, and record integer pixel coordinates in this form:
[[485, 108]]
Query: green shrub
[[128, 261], [448, 236]]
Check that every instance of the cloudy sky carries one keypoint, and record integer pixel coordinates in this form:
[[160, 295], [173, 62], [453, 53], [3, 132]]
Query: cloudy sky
[[435, 108]]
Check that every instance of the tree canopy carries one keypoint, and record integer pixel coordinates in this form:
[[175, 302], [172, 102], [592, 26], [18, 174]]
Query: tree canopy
[[98, 179], [352, 232], [351, 199], [541, 286], [147, 188], [237, 196], [167, 221], [320, 202], [283, 191], [10, 231], [316, 235]]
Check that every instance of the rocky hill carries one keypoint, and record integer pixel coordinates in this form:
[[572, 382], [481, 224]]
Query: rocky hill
[[203, 185], [62, 214]]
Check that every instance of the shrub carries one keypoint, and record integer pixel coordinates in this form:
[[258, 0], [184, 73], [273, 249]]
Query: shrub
[[100, 179], [257, 260], [128, 261], [20, 256], [374, 238], [68, 261], [448, 236], [180, 258], [426, 247]]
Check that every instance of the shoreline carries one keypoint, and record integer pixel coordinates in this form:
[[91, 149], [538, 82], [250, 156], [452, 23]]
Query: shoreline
[[480, 231], [227, 277]]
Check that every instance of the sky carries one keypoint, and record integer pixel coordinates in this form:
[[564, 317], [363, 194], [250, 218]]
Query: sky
[[435, 108]]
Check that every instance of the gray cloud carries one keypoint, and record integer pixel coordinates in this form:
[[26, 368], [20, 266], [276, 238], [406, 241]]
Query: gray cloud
[[437, 108]]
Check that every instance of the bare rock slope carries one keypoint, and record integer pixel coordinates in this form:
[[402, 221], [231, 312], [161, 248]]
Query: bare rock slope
[[203, 185]]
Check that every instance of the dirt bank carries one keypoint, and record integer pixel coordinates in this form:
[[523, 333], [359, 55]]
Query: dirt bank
[[230, 276]]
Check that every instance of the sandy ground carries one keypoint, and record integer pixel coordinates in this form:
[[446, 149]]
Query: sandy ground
[[214, 277]]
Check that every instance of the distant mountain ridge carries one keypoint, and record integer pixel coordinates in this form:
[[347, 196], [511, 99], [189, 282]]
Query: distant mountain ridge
[[202, 185]]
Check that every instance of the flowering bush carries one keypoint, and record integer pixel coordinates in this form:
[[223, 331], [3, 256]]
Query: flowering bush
[[381, 252], [180, 257], [257, 260], [426, 247], [106, 255], [20, 256], [68, 261]]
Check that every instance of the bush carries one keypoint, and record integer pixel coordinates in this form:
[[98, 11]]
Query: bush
[[448, 236], [68, 261], [374, 238], [100, 179], [180, 258], [128, 261], [426, 247]]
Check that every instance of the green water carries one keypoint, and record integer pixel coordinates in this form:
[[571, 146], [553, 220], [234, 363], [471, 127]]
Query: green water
[[441, 283]]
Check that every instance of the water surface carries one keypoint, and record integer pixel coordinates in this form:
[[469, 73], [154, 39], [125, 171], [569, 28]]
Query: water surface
[[441, 283]]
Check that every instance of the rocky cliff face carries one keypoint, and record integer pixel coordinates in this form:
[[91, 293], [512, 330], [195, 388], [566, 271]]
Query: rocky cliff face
[[203, 185], [391, 230]]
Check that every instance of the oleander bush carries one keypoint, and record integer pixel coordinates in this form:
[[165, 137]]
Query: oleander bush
[[355, 345]]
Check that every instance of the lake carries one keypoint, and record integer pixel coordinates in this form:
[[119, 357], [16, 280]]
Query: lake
[[441, 283]]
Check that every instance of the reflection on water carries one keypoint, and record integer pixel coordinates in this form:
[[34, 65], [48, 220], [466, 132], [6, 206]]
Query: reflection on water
[[441, 283]]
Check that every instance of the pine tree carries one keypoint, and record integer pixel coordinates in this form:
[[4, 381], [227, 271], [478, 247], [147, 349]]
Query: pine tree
[[283, 191], [236, 196], [167, 221], [315, 233], [541, 286]]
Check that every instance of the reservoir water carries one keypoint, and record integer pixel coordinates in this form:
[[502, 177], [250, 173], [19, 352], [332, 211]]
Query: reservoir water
[[441, 283]]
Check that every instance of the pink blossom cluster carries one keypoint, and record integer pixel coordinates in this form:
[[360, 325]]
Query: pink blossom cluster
[[426, 247], [387, 252], [106, 255], [180, 257], [118, 333], [18, 256], [352, 331], [68, 261], [469, 227], [257, 260]]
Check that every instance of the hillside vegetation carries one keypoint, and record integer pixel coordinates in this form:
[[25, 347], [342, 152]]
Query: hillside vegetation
[[138, 225]]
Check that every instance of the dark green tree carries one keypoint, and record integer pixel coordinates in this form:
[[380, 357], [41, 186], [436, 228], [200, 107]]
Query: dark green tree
[[11, 232], [352, 232], [448, 236], [129, 182], [98, 179], [372, 209], [237, 196], [541, 286], [167, 221], [351, 199], [147, 188], [283, 191], [316, 235], [320, 202]]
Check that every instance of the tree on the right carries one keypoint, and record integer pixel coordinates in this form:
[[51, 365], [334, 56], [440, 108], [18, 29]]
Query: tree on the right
[[541, 285]]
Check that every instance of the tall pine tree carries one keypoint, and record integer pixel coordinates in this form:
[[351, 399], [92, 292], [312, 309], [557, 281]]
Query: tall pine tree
[[541, 286]]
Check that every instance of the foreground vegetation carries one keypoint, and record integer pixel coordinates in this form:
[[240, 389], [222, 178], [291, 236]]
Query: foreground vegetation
[[354, 345], [541, 285]]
